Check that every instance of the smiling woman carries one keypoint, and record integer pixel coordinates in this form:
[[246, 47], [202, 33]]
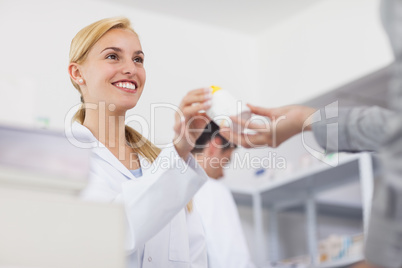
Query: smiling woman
[[107, 68], [101, 63]]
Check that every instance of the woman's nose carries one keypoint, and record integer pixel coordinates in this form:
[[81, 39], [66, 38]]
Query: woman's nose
[[129, 68]]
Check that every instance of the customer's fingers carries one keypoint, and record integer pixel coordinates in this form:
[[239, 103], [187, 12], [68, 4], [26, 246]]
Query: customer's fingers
[[243, 139], [257, 124]]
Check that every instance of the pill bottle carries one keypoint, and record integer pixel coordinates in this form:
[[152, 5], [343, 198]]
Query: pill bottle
[[225, 105]]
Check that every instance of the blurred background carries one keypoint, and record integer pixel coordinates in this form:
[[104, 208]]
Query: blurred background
[[267, 53]]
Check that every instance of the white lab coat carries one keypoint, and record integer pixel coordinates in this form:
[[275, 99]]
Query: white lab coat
[[226, 244], [160, 232]]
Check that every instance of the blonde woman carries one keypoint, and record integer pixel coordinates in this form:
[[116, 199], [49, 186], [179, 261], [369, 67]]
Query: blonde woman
[[107, 68]]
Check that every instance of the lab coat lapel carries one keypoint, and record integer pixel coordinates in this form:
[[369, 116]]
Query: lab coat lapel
[[144, 163], [106, 155], [85, 135]]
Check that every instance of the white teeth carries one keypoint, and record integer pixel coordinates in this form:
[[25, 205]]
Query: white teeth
[[126, 85]]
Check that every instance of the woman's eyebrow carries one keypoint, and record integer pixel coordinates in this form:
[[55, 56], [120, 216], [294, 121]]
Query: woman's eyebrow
[[113, 48], [116, 49]]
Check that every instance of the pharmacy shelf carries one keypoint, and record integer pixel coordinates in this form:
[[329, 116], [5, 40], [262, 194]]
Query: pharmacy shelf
[[341, 263], [324, 208], [317, 178], [301, 190]]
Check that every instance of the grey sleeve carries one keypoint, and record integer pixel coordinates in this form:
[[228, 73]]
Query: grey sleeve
[[380, 130], [351, 129], [384, 238]]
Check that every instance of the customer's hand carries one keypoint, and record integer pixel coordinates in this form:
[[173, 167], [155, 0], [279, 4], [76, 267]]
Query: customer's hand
[[284, 122], [189, 122]]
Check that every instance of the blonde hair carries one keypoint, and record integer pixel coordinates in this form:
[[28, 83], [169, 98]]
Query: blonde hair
[[81, 44]]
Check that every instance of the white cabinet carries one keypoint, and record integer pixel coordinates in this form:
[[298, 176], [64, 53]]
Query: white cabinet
[[303, 188], [48, 230]]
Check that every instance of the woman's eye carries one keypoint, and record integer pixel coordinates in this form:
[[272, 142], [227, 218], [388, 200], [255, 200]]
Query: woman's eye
[[139, 60], [112, 57]]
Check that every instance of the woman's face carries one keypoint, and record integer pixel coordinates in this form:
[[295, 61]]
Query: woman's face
[[114, 71]]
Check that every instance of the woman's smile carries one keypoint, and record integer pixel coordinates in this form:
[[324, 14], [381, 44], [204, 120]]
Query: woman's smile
[[126, 85]]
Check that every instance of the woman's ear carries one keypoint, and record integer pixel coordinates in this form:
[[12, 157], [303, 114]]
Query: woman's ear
[[75, 73]]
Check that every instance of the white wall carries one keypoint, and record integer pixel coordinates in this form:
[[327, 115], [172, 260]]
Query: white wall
[[325, 46], [180, 56]]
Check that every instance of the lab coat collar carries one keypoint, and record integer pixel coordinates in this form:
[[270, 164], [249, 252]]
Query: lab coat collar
[[85, 135]]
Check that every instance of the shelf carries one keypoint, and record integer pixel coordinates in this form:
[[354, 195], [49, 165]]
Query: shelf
[[323, 208], [304, 191], [292, 189], [340, 263], [327, 177]]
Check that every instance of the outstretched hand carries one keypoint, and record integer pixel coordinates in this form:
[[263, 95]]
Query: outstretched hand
[[280, 124]]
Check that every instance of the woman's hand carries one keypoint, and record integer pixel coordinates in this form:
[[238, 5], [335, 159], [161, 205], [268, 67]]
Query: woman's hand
[[284, 123], [189, 122]]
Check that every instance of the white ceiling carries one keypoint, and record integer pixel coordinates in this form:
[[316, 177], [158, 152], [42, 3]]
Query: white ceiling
[[246, 16]]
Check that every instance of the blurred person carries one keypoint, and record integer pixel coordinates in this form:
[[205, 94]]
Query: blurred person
[[106, 66], [226, 243], [359, 129]]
